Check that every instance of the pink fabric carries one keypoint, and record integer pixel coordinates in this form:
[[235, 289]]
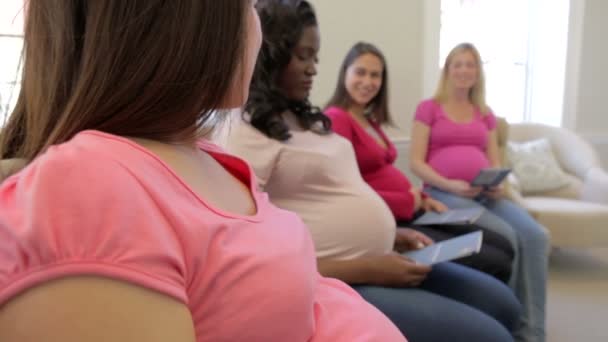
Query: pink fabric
[[102, 205], [455, 150], [376, 163]]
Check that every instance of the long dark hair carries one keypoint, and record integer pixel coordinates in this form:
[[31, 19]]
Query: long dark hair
[[152, 69], [282, 24], [378, 107]]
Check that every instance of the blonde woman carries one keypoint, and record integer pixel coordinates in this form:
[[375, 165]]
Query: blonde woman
[[453, 137]]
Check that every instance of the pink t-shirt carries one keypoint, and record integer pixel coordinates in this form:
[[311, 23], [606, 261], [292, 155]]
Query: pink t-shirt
[[455, 150], [102, 205], [376, 163]]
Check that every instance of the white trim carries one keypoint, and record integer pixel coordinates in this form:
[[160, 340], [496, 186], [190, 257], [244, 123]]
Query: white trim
[[573, 62], [400, 140]]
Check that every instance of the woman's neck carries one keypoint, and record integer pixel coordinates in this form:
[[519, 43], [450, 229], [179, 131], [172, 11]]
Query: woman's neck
[[459, 96], [357, 110]]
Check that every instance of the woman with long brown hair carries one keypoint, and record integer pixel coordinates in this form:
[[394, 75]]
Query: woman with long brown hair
[[127, 224]]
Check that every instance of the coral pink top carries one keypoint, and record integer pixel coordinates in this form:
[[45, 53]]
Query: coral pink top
[[376, 163], [102, 205], [456, 150]]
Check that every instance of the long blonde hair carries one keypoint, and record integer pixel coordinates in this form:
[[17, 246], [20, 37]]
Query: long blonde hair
[[477, 94]]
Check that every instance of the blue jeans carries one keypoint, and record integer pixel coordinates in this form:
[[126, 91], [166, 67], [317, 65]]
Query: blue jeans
[[454, 303], [529, 274]]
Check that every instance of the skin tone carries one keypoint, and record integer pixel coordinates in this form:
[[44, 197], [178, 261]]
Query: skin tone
[[140, 314], [363, 80], [462, 75], [297, 78]]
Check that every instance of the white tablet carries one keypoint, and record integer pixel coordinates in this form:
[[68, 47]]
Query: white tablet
[[447, 250], [490, 177]]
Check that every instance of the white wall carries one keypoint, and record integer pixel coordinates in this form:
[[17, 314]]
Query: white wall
[[396, 27], [408, 33], [591, 114]]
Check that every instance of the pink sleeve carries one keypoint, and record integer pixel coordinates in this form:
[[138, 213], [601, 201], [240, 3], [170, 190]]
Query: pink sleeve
[[340, 122], [69, 214], [490, 121], [426, 112]]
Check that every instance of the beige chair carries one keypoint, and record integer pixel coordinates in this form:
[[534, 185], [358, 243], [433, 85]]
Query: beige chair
[[577, 214]]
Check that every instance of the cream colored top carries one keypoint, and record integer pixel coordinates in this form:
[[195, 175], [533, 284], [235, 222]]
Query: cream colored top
[[317, 177]]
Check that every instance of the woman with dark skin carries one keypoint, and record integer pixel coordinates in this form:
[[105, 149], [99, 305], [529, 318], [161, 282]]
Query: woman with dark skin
[[306, 168]]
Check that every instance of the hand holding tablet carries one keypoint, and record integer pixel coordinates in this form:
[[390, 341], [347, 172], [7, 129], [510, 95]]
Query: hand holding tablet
[[490, 177], [447, 250]]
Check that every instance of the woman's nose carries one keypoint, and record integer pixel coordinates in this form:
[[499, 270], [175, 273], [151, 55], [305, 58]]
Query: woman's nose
[[311, 70]]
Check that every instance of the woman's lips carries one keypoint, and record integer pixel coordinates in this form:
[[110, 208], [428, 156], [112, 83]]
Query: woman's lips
[[307, 85]]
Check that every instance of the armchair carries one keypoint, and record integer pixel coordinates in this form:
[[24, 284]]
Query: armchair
[[576, 215]]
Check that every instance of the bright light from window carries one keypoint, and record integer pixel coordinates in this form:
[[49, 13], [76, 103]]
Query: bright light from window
[[523, 48], [11, 44]]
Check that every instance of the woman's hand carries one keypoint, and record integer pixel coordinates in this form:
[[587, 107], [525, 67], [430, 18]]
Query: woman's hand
[[463, 188], [495, 192], [417, 198], [430, 204], [407, 239], [395, 270]]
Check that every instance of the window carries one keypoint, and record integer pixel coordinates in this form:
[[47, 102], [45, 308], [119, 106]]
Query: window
[[11, 44], [523, 48]]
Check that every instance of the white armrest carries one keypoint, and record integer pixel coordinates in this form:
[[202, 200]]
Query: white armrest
[[595, 187]]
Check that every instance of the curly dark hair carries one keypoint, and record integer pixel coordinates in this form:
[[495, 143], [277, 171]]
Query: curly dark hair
[[282, 24]]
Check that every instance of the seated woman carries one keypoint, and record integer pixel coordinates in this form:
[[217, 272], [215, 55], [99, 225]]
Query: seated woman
[[453, 138], [306, 168], [357, 108], [123, 228]]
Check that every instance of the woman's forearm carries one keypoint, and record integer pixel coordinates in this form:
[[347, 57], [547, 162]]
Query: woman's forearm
[[428, 175], [353, 272]]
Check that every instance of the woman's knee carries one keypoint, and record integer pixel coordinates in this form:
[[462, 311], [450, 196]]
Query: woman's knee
[[477, 290], [520, 220], [533, 236], [540, 235], [425, 316]]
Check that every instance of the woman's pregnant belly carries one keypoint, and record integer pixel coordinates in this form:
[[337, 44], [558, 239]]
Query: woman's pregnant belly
[[345, 224], [458, 162]]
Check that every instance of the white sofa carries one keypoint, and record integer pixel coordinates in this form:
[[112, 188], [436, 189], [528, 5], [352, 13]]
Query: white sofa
[[577, 214]]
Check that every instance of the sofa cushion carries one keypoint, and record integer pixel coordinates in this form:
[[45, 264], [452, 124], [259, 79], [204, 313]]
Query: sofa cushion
[[571, 190], [570, 222], [535, 166]]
